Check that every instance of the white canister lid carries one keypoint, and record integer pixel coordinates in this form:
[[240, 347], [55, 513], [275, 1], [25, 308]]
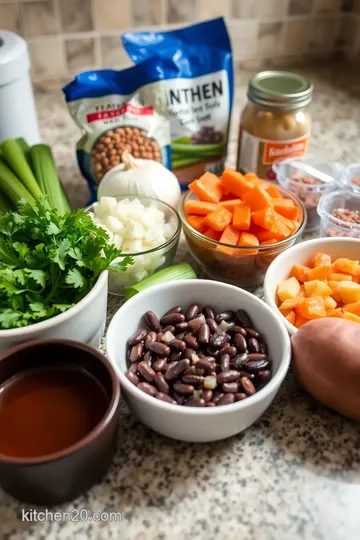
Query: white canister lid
[[14, 57]]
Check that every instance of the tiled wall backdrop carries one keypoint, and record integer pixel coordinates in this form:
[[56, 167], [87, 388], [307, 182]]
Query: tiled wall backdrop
[[67, 36]]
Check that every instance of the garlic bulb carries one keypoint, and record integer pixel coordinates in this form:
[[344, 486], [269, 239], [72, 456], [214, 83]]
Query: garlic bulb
[[140, 177]]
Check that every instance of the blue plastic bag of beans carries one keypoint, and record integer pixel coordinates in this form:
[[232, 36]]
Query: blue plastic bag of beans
[[118, 111], [196, 64]]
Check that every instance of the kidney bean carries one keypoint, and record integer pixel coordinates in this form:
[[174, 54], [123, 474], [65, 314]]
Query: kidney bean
[[180, 400], [239, 396], [252, 333], [210, 404], [136, 352], [216, 396], [172, 318], [195, 402], [253, 345], [263, 348], [132, 377], [237, 330], [224, 348], [146, 371], [159, 337], [152, 321], [231, 351], [253, 366], [182, 327], [191, 341], [231, 387], [213, 352], [263, 376], [243, 318], [159, 364], [207, 395], [204, 333], [226, 399], [165, 397], [200, 354], [175, 309], [217, 340], [148, 358], [208, 312], [175, 356], [147, 388], [225, 362], [180, 336], [248, 386], [227, 376], [190, 370], [177, 345], [161, 384], [225, 316], [205, 364], [177, 369], [183, 389], [257, 356], [213, 326], [239, 361], [139, 335], [250, 376], [150, 338], [230, 324], [168, 328], [188, 353], [159, 348], [192, 379], [192, 311], [240, 343]]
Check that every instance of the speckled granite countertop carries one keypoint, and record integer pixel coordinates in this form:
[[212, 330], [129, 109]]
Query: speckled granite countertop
[[294, 475]]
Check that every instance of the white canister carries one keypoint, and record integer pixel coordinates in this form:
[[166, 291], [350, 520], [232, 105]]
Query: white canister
[[17, 106]]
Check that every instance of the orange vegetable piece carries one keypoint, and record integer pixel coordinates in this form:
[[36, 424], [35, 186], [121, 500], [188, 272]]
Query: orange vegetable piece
[[354, 307], [219, 219], [247, 239], [290, 303], [251, 176], [265, 218], [273, 192], [312, 307], [242, 217], [230, 204], [300, 320], [302, 293], [214, 235], [235, 182], [199, 208], [286, 207], [198, 223], [207, 188], [291, 317], [334, 276], [310, 286], [351, 316], [300, 272], [346, 266], [335, 287], [319, 272], [257, 198], [329, 303], [290, 224], [279, 231], [321, 289], [267, 242], [337, 312], [229, 236], [320, 259]]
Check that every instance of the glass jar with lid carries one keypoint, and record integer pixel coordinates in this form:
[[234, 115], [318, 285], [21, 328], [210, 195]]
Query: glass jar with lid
[[275, 124]]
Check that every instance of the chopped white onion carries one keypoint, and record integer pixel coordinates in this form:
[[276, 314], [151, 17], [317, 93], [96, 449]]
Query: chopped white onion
[[224, 326], [167, 337], [197, 322]]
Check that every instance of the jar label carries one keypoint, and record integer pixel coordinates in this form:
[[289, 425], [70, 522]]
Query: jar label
[[258, 155]]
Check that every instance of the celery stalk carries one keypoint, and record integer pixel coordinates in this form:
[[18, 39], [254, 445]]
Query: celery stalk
[[171, 273], [13, 155], [5, 203], [12, 186]]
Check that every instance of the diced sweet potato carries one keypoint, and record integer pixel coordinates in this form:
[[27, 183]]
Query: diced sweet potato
[[300, 272], [290, 303], [300, 320], [337, 312], [351, 316], [291, 317], [346, 266], [321, 289], [288, 289], [329, 303], [334, 276], [353, 308], [310, 286], [320, 259], [350, 292], [319, 272], [312, 308], [335, 287]]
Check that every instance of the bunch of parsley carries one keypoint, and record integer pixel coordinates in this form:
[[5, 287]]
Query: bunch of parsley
[[48, 262]]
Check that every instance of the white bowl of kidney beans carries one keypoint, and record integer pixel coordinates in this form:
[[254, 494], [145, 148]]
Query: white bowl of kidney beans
[[198, 360]]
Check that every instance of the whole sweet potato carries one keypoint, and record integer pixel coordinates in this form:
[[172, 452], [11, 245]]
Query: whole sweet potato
[[326, 361]]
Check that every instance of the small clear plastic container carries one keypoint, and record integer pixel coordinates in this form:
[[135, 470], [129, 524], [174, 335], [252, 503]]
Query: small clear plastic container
[[308, 177], [339, 213], [350, 177]]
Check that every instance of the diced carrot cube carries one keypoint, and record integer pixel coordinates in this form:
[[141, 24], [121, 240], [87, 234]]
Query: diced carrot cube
[[198, 223], [286, 208], [320, 259], [214, 235], [312, 308], [235, 182], [300, 272], [219, 219], [291, 317], [279, 231], [257, 198], [265, 218], [230, 204], [251, 177], [207, 188], [273, 192], [247, 239], [229, 236], [199, 208], [268, 242], [242, 217], [320, 272]]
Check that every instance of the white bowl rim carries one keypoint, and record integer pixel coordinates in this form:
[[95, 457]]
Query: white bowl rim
[[272, 385], [57, 319], [269, 297]]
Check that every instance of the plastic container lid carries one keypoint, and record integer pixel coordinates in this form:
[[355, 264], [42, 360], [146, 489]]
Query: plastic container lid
[[336, 209], [350, 177], [14, 57], [280, 89], [312, 171]]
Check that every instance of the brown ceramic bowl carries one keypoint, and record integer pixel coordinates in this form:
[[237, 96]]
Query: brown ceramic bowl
[[63, 475]]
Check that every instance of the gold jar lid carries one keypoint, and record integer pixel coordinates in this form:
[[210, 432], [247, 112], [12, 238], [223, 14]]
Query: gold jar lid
[[280, 89]]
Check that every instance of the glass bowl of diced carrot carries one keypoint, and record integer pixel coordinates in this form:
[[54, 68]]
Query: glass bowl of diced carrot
[[235, 225]]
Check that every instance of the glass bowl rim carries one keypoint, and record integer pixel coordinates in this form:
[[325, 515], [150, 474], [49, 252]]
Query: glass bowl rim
[[152, 199], [326, 215]]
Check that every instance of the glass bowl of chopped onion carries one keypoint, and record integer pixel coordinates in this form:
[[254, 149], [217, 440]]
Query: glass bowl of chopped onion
[[144, 228]]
